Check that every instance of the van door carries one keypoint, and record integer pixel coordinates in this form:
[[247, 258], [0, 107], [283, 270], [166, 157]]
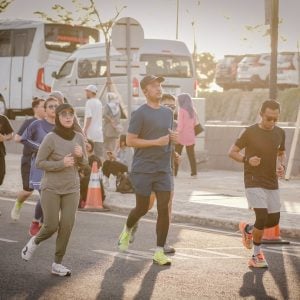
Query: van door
[[17, 65]]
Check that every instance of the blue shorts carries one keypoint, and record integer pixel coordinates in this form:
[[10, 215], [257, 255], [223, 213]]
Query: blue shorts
[[145, 183]]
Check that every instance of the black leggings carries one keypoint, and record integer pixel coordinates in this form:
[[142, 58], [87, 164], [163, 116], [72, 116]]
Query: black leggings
[[190, 150], [264, 219], [142, 207]]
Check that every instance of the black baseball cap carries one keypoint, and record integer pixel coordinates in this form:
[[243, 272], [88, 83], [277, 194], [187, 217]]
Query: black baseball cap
[[150, 78]]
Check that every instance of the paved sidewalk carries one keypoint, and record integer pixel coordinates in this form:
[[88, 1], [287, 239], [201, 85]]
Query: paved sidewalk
[[216, 198]]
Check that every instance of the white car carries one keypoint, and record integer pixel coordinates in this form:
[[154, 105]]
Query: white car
[[253, 71], [288, 70]]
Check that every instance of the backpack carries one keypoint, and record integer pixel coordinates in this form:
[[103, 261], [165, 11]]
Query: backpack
[[123, 184]]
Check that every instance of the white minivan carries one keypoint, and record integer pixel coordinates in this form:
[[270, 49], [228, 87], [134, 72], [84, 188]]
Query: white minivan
[[167, 58], [29, 52], [288, 70]]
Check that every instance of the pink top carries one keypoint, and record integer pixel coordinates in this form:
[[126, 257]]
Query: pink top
[[185, 128]]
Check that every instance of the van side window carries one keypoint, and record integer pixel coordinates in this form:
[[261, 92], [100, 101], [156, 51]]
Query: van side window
[[5, 43], [66, 69], [22, 41], [91, 68], [168, 65]]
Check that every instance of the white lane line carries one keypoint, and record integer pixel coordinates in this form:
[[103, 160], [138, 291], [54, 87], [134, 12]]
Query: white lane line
[[150, 221], [117, 254], [281, 252], [8, 241]]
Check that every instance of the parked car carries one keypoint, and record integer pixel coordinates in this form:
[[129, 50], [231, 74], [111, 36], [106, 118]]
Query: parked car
[[288, 70], [253, 71], [226, 71]]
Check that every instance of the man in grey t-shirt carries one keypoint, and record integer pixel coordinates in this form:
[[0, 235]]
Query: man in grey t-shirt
[[150, 134]]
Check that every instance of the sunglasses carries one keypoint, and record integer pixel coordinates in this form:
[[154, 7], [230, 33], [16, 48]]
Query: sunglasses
[[66, 114], [52, 106], [172, 106], [270, 119]]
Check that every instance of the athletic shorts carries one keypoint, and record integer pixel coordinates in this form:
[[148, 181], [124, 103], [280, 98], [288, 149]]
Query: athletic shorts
[[263, 198], [145, 183], [25, 172]]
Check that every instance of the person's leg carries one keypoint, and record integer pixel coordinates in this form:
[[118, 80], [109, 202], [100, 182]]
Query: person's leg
[[2, 168], [178, 149], [163, 223], [69, 203], [51, 205], [192, 159], [141, 208]]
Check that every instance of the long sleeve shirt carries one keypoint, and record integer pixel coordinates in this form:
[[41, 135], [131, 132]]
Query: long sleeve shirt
[[50, 158]]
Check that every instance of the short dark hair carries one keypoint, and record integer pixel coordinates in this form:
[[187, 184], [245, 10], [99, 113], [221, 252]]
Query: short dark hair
[[48, 100], [36, 102], [167, 96], [272, 104], [91, 142]]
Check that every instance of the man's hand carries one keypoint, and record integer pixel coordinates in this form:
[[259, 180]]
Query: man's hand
[[163, 141], [69, 160], [173, 136], [280, 171], [78, 151], [2, 137], [254, 161]]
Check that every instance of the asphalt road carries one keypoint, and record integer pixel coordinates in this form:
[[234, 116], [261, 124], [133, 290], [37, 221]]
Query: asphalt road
[[208, 264]]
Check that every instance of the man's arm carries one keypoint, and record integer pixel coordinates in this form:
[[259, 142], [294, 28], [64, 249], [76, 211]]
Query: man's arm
[[87, 125], [132, 140], [234, 153], [281, 158], [5, 137]]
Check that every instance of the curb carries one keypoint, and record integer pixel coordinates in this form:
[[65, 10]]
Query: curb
[[217, 223]]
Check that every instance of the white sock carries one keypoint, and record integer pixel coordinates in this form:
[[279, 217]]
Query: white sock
[[256, 249], [159, 249]]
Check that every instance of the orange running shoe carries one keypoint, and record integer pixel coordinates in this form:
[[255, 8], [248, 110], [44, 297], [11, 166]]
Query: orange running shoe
[[247, 238], [258, 261]]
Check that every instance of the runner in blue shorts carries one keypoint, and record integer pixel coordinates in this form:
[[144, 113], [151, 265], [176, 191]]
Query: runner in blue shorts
[[150, 134]]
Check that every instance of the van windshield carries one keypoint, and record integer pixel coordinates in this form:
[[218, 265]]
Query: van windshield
[[168, 65], [67, 38]]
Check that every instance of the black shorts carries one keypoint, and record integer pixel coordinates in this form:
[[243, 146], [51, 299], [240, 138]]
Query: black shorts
[[2, 168], [25, 172]]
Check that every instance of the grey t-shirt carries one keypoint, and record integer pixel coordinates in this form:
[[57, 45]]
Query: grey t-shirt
[[50, 158], [149, 124]]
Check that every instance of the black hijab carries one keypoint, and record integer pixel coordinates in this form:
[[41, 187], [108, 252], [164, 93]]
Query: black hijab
[[59, 129]]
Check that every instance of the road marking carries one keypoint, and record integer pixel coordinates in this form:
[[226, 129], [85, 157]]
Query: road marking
[[8, 241]]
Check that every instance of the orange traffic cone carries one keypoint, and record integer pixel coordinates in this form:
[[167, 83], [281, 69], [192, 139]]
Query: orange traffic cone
[[272, 236], [94, 196]]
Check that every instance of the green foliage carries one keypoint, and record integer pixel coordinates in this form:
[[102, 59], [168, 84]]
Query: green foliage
[[205, 65], [4, 4]]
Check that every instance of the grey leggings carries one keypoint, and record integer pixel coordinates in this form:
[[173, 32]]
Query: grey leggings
[[52, 205]]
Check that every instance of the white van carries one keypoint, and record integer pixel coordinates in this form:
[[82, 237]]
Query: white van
[[29, 52], [87, 65]]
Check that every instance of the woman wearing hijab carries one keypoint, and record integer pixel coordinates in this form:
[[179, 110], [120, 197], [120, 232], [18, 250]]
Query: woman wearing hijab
[[59, 156], [112, 127], [186, 134]]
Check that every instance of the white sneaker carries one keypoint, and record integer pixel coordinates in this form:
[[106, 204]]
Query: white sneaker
[[16, 211], [29, 249], [60, 270], [169, 249]]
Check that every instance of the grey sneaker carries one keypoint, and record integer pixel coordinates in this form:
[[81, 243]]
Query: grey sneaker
[[60, 270], [29, 249], [168, 249]]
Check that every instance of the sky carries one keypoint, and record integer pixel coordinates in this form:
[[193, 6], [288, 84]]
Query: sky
[[219, 25]]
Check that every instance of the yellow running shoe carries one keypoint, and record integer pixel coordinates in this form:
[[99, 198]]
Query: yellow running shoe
[[124, 239], [161, 259], [258, 261]]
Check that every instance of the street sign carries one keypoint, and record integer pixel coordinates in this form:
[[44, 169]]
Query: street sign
[[127, 37], [124, 28]]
